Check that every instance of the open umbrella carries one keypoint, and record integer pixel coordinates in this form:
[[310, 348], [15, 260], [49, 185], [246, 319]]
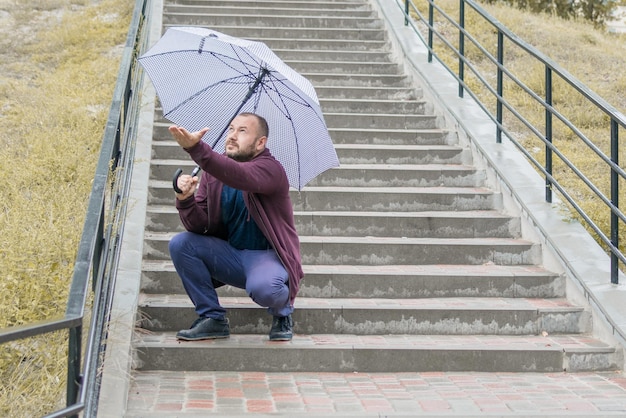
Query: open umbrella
[[206, 78]]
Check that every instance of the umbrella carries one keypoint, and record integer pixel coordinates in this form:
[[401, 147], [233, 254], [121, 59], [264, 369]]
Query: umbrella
[[206, 78]]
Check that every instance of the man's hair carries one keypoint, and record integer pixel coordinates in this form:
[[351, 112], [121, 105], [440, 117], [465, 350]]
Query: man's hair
[[264, 130]]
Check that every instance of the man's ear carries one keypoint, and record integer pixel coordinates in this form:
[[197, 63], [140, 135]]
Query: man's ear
[[261, 143]]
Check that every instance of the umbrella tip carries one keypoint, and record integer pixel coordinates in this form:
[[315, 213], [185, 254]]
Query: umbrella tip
[[211, 35]]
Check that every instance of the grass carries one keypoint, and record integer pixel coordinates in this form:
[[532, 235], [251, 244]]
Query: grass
[[59, 64], [59, 67]]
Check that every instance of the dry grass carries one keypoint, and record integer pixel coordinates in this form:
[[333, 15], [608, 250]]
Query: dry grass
[[59, 66]]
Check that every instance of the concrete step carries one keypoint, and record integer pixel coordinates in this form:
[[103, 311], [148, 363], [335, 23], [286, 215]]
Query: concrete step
[[300, 32], [411, 225], [361, 136], [279, 9], [380, 353], [314, 20], [363, 120], [280, 22], [347, 250], [373, 69], [467, 224], [374, 106], [405, 199], [385, 250], [383, 199], [367, 93], [405, 175], [349, 4], [291, 55], [354, 153], [328, 44], [364, 175], [401, 154], [391, 136], [378, 120], [407, 113], [351, 80], [376, 316], [393, 281]]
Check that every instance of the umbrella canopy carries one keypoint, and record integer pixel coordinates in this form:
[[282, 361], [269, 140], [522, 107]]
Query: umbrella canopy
[[205, 78]]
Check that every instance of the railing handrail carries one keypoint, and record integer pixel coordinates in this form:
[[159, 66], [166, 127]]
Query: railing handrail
[[574, 82], [98, 248], [555, 67], [617, 119]]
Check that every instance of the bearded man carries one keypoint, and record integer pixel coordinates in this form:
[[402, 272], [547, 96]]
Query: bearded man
[[239, 229]]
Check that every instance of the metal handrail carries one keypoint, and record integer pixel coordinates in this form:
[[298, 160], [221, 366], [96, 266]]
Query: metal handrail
[[616, 120], [98, 250]]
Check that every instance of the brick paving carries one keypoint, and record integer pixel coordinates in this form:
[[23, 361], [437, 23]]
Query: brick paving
[[371, 394]]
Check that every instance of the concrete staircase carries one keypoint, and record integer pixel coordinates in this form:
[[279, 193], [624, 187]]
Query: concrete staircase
[[411, 261]]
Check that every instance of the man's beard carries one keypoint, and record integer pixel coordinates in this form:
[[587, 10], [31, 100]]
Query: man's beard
[[243, 155]]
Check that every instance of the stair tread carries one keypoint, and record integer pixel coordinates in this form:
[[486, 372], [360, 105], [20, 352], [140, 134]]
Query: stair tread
[[195, 8], [487, 214], [405, 147], [484, 270], [159, 236], [556, 343], [357, 166], [251, 28], [449, 190], [437, 130], [418, 304]]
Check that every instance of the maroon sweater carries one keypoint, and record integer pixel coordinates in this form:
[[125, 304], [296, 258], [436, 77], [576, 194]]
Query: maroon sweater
[[265, 193]]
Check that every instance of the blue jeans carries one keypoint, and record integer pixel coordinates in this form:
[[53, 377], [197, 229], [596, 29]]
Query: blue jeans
[[199, 258]]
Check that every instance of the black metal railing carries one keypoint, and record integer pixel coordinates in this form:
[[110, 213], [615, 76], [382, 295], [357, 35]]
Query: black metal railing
[[447, 37], [95, 268]]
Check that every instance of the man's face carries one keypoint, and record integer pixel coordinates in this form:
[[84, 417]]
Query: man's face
[[242, 139]]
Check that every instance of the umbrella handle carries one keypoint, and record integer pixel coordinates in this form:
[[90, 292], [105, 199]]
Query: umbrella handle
[[177, 175], [175, 180]]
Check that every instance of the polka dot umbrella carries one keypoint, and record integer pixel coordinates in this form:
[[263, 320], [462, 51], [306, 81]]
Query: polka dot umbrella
[[205, 78]]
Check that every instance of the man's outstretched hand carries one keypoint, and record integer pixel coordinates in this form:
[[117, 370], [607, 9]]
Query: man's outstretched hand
[[185, 138]]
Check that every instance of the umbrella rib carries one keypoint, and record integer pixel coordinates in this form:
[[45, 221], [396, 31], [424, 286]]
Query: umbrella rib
[[231, 80], [296, 95], [271, 85], [272, 81], [220, 57], [223, 58], [249, 66]]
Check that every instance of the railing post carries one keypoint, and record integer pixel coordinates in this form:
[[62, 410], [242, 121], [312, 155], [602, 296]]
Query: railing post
[[431, 22], [499, 88], [461, 46], [406, 12], [73, 365], [548, 132], [614, 202]]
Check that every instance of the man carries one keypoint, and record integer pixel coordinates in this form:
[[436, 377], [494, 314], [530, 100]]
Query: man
[[240, 229]]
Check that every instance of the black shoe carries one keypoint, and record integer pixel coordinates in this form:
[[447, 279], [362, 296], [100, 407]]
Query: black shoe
[[281, 328], [205, 329]]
